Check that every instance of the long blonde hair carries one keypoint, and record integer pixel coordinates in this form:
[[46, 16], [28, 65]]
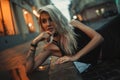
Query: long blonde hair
[[64, 29]]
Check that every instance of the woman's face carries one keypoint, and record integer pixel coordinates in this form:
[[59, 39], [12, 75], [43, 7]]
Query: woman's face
[[47, 23]]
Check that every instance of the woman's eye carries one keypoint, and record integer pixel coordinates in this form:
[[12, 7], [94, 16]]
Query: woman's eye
[[44, 21], [50, 19]]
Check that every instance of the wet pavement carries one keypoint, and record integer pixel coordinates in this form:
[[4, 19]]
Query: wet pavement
[[108, 70]]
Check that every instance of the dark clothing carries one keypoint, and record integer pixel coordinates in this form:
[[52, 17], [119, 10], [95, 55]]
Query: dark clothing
[[61, 49], [82, 40]]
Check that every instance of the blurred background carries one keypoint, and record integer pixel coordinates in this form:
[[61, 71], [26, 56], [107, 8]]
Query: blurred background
[[18, 18], [19, 25]]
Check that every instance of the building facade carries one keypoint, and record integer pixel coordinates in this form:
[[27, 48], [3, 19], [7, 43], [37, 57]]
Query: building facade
[[18, 21], [91, 10]]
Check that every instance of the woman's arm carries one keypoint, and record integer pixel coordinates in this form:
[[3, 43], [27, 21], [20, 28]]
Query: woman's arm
[[31, 59], [96, 39]]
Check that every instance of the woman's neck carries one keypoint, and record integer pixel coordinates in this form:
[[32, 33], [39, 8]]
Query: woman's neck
[[56, 38]]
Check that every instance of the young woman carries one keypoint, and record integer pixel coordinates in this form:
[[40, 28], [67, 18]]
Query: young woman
[[60, 37]]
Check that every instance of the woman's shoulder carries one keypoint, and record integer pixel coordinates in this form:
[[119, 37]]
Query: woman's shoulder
[[79, 33]]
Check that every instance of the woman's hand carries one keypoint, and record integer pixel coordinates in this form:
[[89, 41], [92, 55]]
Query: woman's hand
[[64, 59], [42, 36]]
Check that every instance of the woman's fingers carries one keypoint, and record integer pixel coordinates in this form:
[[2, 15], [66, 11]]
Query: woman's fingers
[[62, 60]]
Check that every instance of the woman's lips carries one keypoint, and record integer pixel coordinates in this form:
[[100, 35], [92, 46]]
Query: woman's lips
[[50, 29]]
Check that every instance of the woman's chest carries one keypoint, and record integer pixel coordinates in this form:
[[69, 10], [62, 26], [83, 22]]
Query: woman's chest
[[53, 49]]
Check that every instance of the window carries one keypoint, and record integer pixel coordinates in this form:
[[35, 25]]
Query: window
[[29, 21], [6, 20]]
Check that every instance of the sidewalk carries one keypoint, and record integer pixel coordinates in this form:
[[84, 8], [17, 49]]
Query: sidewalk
[[65, 71]]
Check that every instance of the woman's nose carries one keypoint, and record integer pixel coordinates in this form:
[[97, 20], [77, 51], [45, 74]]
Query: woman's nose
[[48, 22]]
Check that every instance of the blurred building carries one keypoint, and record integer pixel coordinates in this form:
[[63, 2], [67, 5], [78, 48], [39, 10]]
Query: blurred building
[[40, 3], [92, 10], [18, 21]]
